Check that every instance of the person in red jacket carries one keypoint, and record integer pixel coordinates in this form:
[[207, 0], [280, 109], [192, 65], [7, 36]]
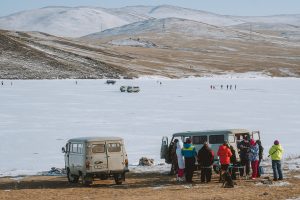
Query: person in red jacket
[[224, 154]]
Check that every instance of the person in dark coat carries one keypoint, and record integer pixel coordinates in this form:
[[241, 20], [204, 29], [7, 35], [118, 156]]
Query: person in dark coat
[[189, 153], [233, 161], [260, 154], [244, 147], [205, 160], [174, 167]]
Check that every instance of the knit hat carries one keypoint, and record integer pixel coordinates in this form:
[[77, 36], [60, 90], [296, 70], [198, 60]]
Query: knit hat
[[252, 142], [276, 142], [188, 141]]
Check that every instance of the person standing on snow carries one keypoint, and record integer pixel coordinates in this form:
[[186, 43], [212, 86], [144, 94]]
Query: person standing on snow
[[224, 154], [244, 147], [189, 153], [205, 160], [260, 155], [180, 171], [254, 157], [276, 152], [174, 167]]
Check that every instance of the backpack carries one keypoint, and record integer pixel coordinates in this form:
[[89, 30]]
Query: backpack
[[227, 180]]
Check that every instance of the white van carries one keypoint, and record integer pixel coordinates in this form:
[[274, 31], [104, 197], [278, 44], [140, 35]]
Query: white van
[[95, 157]]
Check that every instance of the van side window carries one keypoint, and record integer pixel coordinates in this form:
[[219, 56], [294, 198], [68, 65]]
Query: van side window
[[74, 148], [98, 148], [80, 148], [114, 147], [199, 139], [216, 139]]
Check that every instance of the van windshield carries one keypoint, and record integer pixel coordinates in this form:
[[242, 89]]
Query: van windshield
[[98, 148]]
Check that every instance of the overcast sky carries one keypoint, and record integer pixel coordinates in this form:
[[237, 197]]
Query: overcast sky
[[230, 7]]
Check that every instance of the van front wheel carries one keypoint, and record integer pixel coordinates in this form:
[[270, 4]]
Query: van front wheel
[[118, 179], [72, 178]]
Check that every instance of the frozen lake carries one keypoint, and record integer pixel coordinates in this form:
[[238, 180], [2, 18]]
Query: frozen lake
[[38, 117]]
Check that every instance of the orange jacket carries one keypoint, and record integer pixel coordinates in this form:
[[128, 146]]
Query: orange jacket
[[224, 154]]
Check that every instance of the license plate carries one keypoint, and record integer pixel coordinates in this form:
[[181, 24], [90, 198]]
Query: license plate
[[98, 166]]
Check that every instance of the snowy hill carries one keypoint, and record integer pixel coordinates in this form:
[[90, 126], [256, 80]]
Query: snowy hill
[[62, 21], [171, 25], [80, 21], [168, 11]]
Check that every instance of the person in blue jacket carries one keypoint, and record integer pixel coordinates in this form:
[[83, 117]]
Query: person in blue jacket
[[189, 153]]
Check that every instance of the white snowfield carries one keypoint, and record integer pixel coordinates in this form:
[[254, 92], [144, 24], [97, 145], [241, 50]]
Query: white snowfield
[[38, 116], [81, 21]]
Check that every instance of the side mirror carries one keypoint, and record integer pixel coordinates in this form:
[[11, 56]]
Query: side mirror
[[63, 150]]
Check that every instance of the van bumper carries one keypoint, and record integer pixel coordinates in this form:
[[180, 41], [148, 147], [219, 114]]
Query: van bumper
[[109, 173]]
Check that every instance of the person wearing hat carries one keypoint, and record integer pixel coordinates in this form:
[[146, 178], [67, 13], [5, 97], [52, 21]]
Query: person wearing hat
[[254, 157], [275, 153], [189, 153], [224, 154], [205, 161], [244, 148], [180, 160], [260, 156], [174, 166]]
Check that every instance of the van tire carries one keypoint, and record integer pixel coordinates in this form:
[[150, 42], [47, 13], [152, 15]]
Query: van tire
[[118, 179], [72, 178], [86, 181]]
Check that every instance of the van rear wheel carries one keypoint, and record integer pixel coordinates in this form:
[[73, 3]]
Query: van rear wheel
[[72, 178], [86, 180]]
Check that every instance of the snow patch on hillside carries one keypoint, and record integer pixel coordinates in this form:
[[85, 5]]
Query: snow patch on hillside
[[133, 42]]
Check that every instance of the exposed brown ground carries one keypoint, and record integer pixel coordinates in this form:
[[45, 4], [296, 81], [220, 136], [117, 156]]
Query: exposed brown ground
[[143, 186], [42, 56]]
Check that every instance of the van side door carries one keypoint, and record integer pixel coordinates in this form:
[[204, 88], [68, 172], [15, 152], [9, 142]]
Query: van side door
[[76, 157], [115, 155], [67, 151]]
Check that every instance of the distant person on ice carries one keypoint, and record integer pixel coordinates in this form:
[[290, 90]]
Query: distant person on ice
[[275, 153], [189, 153], [180, 160], [205, 160]]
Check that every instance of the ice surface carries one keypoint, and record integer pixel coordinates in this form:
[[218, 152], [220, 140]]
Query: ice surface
[[38, 117]]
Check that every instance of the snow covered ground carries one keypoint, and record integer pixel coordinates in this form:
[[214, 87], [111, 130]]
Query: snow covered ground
[[38, 117]]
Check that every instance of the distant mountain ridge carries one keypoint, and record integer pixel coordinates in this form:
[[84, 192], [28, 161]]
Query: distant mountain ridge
[[85, 20]]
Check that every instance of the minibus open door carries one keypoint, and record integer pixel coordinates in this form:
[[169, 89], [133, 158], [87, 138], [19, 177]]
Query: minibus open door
[[164, 147], [255, 135]]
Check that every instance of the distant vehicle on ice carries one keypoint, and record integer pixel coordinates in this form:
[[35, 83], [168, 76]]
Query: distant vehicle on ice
[[123, 88], [110, 82], [88, 158], [129, 89]]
